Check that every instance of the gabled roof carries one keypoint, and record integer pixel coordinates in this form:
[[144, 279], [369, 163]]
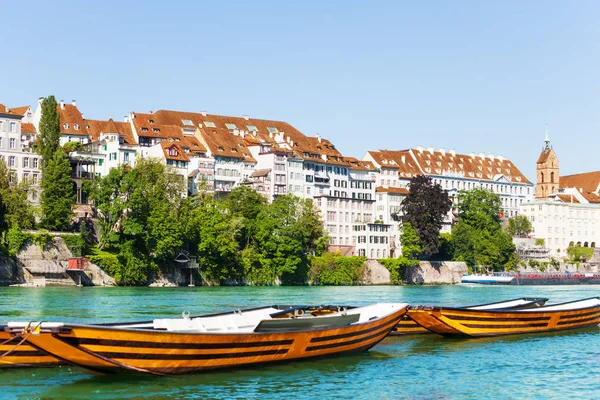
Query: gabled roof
[[181, 156], [22, 110], [358, 165], [9, 112], [97, 127], [70, 117]]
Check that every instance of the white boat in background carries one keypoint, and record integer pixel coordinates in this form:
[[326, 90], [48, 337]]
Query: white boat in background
[[488, 279]]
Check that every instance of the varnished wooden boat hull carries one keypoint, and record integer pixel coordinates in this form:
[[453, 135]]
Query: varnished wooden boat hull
[[104, 348], [477, 323], [24, 355], [410, 326]]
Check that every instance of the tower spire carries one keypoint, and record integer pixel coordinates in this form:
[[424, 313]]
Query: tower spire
[[547, 140]]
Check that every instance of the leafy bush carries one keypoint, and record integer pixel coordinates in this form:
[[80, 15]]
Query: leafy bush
[[539, 242], [16, 239], [534, 263], [580, 254], [397, 267], [76, 244], [330, 269]]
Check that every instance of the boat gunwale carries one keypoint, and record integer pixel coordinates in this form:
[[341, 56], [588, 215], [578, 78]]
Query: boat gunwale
[[121, 328], [507, 310]]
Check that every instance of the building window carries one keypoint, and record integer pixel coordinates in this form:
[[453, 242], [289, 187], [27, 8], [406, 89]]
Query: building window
[[25, 162], [13, 127], [11, 161], [35, 162], [13, 143]]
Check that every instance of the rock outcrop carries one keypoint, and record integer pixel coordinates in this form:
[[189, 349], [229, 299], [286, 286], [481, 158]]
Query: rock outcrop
[[436, 273]]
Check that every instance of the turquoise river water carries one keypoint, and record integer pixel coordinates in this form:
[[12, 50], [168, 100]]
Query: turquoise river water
[[549, 366]]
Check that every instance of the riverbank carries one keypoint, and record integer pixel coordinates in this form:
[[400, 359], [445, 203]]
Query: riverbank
[[48, 265]]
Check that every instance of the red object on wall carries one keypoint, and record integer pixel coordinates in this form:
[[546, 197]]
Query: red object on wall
[[80, 263]]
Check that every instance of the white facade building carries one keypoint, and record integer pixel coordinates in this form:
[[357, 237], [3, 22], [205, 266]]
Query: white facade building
[[16, 137]]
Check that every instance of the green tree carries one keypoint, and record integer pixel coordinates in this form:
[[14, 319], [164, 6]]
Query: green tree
[[49, 131], [247, 204], [425, 208], [16, 212], [479, 207], [411, 244], [144, 208], [478, 237], [519, 225], [218, 241], [287, 232], [58, 194]]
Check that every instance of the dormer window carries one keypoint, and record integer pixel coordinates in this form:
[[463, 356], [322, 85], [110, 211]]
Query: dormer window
[[155, 130], [76, 127], [172, 151], [144, 129], [231, 127], [150, 121], [187, 122], [234, 150], [252, 128], [272, 129], [220, 148], [209, 124], [66, 125]]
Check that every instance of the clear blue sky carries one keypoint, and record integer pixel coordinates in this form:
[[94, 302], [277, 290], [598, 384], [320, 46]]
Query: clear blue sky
[[476, 76]]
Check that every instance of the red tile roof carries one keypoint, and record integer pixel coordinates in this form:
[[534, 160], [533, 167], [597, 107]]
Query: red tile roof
[[394, 190], [589, 181], [96, 127], [567, 198], [71, 118], [8, 111], [27, 128], [179, 153], [22, 110]]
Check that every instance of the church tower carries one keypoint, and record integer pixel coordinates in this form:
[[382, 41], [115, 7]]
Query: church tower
[[546, 171]]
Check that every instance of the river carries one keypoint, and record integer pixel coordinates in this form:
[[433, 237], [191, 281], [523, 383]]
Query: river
[[557, 365]]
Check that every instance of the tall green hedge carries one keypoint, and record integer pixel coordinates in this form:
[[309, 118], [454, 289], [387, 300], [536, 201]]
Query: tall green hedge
[[335, 269]]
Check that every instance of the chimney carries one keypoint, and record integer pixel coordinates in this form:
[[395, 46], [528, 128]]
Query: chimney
[[74, 103], [246, 117], [200, 125], [126, 119], [452, 152], [420, 148], [472, 155], [403, 159], [430, 149], [443, 151], [500, 157], [292, 143], [203, 113], [482, 155], [319, 138], [150, 112], [491, 156], [62, 104], [40, 100]]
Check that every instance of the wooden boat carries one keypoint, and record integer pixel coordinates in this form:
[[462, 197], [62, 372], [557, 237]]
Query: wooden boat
[[184, 345], [24, 354], [14, 354], [408, 326], [467, 322]]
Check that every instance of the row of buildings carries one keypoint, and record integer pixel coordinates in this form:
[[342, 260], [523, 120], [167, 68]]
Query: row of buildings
[[359, 200]]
